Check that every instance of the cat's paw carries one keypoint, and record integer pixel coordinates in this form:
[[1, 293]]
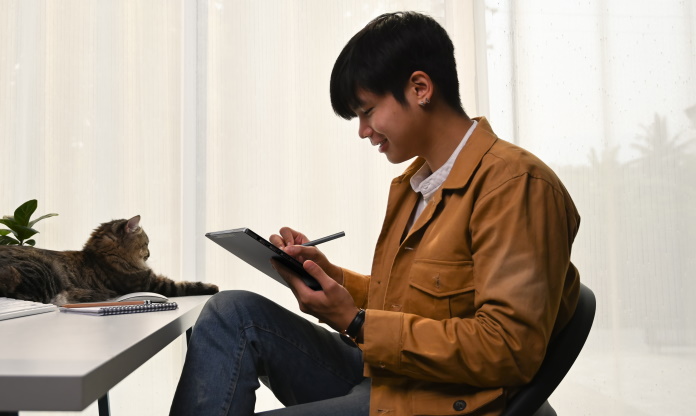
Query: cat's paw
[[196, 288], [210, 289]]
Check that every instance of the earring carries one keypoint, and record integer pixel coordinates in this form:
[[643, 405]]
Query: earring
[[425, 102]]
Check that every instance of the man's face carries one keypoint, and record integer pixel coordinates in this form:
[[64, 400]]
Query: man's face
[[389, 125]]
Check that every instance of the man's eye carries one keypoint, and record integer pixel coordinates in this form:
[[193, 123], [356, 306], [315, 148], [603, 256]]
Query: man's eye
[[368, 111]]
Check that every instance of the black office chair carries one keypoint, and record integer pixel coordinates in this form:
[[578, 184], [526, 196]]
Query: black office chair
[[560, 356]]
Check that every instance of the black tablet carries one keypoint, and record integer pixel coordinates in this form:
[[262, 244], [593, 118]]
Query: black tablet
[[258, 252]]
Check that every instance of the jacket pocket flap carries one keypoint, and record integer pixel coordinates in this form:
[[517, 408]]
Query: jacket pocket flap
[[442, 278]]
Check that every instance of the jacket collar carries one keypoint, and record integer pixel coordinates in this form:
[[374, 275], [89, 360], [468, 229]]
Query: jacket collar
[[468, 160], [476, 147]]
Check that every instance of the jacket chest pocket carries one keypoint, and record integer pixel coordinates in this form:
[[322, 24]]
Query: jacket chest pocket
[[441, 289]]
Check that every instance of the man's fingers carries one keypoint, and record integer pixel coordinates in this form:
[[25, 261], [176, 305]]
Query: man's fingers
[[301, 253], [318, 273], [277, 241], [297, 285], [287, 235]]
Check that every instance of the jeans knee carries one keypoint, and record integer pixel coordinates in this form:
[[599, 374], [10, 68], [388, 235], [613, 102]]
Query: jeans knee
[[231, 305], [233, 297]]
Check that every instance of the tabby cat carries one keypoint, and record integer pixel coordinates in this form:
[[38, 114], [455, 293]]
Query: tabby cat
[[111, 264]]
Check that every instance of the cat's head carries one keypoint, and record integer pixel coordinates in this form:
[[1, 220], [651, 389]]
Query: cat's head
[[121, 239]]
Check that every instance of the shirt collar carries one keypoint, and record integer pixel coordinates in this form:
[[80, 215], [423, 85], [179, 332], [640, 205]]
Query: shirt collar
[[426, 182]]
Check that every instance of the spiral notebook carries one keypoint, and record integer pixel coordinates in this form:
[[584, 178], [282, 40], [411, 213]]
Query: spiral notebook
[[125, 309]]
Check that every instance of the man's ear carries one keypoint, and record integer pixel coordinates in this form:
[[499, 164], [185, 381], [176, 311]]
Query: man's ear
[[421, 88]]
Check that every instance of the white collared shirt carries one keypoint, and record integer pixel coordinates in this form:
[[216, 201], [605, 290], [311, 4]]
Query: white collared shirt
[[426, 182]]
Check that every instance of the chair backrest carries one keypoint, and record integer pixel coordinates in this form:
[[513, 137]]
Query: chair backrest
[[560, 356]]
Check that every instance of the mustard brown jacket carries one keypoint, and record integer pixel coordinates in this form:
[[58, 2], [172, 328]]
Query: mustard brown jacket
[[461, 308]]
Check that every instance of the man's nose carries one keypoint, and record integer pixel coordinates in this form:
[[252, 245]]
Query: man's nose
[[364, 130]]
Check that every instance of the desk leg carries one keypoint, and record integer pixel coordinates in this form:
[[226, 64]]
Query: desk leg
[[104, 405], [103, 402]]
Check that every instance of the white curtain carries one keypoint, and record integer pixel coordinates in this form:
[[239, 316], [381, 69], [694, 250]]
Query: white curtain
[[210, 115], [90, 126], [605, 93]]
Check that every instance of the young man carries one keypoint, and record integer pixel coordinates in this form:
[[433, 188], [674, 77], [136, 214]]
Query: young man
[[471, 275]]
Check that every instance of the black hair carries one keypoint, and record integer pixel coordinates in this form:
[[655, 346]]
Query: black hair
[[381, 57]]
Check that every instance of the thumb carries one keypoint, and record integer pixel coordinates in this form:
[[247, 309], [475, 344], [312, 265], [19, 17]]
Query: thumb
[[318, 273]]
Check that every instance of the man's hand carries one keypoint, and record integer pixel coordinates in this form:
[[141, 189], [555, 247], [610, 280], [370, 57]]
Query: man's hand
[[291, 242], [332, 305]]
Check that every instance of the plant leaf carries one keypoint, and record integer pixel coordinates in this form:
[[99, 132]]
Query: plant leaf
[[5, 232], [8, 221], [31, 223], [30, 243], [7, 241], [23, 213], [20, 231]]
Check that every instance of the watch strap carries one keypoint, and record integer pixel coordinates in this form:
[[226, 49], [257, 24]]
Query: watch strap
[[353, 329]]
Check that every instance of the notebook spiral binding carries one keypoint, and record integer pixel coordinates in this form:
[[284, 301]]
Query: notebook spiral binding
[[152, 307]]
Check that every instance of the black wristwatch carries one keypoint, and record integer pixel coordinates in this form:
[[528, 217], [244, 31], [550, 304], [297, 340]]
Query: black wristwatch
[[353, 329]]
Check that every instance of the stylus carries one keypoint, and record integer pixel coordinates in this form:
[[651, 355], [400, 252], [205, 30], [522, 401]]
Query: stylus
[[325, 239]]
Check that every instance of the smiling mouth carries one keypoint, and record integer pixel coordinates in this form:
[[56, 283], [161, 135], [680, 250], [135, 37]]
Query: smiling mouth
[[382, 145]]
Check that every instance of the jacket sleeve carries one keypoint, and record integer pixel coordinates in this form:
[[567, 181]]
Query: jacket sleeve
[[520, 240], [358, 286]]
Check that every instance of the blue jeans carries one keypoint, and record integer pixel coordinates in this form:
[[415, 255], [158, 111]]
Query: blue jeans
[[242, 338]]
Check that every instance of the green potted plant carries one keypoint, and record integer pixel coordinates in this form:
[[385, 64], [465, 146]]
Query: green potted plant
[[20, 225]]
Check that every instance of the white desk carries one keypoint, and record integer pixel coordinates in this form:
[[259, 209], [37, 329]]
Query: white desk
[[66, 361]]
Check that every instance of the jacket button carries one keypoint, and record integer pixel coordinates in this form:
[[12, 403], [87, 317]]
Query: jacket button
[[459, 405]]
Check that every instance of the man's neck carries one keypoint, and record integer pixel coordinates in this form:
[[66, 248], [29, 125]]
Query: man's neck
[[447, 132]]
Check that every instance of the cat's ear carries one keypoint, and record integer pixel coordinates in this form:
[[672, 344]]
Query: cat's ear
[[133, 224]]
